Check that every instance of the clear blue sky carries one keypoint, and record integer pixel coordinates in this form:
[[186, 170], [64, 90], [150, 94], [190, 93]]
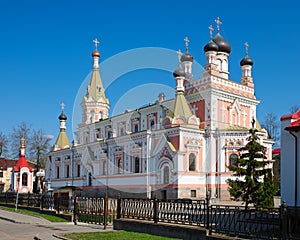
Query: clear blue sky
[[45, 49]]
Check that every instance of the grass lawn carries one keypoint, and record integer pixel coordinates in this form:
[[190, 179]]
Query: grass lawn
[[46, 216], [114, 235]]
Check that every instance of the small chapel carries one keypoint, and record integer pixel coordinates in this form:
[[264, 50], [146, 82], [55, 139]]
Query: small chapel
[[22, 179], [174, 148]]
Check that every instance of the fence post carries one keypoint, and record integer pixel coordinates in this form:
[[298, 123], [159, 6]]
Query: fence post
[[284, 221], [119, 207], [105, 211], [207, 211], [74, 209], [155, 210], [58, 203]]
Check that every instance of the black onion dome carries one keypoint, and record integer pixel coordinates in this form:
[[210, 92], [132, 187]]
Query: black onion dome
[[187, 57], [211, 46], [246, 61], [62, 116], [179, 72], [223, 45]]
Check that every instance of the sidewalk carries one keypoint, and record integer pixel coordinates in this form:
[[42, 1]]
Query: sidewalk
[[18, 225]]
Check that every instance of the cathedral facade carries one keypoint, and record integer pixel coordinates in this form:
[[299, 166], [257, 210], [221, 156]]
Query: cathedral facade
[[176, 148]]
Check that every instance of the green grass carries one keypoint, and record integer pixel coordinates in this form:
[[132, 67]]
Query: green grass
[[46, 216], [114, 235]]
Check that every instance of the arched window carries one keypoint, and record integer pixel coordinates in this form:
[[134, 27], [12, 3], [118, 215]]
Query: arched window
[[122, 132], [136, 128], [152, 123], [24, 179], [192, 162], [166, 179], [90, 179], [233, 159], [136, 165], [104, 167], [119, 162]]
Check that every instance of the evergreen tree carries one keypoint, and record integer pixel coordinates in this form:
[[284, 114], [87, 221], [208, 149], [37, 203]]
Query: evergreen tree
[[251, 170]]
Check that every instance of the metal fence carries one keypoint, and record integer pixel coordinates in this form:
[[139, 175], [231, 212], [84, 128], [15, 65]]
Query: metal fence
[[283, 223], [248, 223]]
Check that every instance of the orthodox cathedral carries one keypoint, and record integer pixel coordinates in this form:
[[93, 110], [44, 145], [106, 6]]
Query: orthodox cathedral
[[176, 148]]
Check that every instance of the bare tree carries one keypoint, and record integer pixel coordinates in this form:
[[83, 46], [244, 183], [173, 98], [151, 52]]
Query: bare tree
[[22, 130], [37, 142], [271, 124], [294, 108], [39, 145], [3, 145]]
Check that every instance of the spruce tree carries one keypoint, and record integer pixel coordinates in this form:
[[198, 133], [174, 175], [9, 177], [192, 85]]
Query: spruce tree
[[250, 170]]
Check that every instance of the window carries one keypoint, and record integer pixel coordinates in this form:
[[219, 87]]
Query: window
[[78, 170], [233, 159], [136, 165], [57, 172], [166, 175], [24, 179], [109, 135], [192, 162], [90, 179], [1, 174], [67, 171], [104, 167], [122, 132], [119, 163], [136, 128], [193, 193], [152, 124]]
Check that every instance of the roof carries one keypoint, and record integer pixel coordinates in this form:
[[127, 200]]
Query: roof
[[291, 116], [276, 151], [62, 141], [22, 162], [295, 121], [7, 163], [180, 107]]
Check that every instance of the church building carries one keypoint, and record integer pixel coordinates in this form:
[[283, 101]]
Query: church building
[[175, 148]]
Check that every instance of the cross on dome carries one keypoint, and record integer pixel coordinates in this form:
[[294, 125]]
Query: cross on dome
[[179, 53], [62, 106], [210, 31], [247, 47], [96, 42], [218, 22], [186, 39]]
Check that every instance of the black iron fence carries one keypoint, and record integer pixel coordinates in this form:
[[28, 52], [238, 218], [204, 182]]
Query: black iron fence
[[283, 223], [248, 223]]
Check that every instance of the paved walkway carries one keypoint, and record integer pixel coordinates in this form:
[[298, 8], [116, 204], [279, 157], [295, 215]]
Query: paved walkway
[[21, 226]]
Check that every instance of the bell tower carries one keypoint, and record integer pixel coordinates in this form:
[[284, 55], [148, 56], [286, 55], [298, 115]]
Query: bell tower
[[95, 105]]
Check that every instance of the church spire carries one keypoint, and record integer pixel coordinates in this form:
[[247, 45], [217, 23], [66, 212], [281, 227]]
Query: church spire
[[95, 105], [62, 140]]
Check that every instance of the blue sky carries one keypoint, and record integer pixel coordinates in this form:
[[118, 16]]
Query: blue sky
[[46, 46]]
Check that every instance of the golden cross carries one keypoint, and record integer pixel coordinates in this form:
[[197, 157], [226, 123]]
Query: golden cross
[[62, 106], [96, 42], [218, 22], [210, 31], [186, 43], [179, 53], [247, 48]]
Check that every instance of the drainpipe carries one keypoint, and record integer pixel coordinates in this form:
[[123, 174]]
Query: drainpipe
[[296, 166]]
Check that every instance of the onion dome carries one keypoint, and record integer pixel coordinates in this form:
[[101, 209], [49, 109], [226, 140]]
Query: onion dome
[[96, 54], [211, 46], [62, 116], [223, 45], [179, 72], [246, 61], [187, 57]]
